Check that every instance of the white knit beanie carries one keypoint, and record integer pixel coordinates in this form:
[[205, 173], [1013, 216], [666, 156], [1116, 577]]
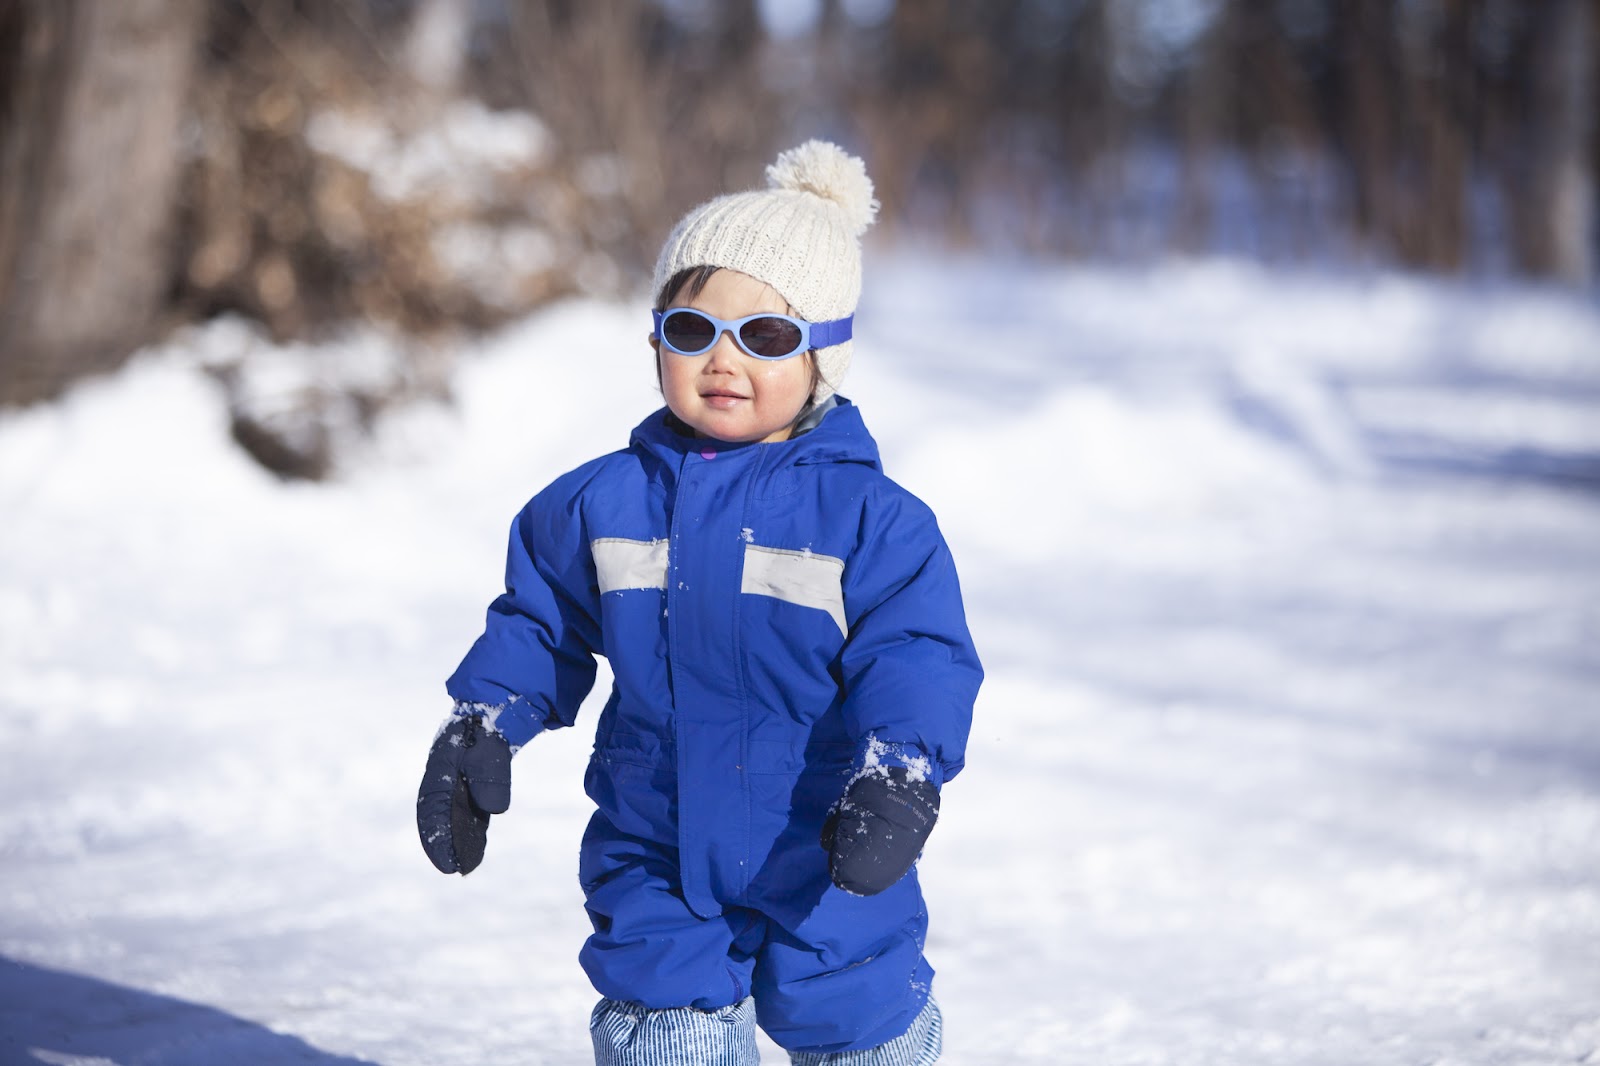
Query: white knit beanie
[[801, 235]]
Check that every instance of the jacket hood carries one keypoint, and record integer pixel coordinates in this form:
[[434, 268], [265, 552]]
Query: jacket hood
[[840, 437]]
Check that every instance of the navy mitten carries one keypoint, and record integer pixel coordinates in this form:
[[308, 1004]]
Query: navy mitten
[[468, 778], [877, 830]]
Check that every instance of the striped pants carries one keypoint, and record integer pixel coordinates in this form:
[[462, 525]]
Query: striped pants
[[626, 1034]]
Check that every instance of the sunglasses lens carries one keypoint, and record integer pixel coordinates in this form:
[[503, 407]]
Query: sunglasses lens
[[688, 332], [773, 338]]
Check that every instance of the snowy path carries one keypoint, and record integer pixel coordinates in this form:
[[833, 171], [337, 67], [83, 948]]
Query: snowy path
[[1289, 590]]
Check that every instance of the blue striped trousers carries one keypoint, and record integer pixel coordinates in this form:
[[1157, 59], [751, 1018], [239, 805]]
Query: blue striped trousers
[[626, 1034]]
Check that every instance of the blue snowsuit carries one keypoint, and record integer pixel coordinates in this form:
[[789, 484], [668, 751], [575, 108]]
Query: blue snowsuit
[[776, 616]]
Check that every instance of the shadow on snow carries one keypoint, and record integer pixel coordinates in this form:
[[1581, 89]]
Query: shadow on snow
[[47, 1016]]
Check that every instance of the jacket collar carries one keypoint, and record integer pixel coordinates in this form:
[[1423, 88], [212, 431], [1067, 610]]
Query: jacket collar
[[839, 436]]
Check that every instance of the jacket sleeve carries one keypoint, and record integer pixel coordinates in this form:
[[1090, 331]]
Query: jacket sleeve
[[910, 671], [534, 663]]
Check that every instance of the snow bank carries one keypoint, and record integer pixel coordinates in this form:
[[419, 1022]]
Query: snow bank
[[1287, 586]]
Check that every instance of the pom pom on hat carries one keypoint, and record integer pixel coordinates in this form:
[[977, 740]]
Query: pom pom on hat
[[801, 235], [828, 171]]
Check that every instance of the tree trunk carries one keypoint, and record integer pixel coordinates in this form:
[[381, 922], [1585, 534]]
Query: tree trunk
[[92, 97], [1445, 103], [1204, 106], [436, 45], [1554, 209], [1367, 104]]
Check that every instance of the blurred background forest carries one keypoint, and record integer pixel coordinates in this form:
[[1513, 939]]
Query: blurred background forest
[[438, 167]]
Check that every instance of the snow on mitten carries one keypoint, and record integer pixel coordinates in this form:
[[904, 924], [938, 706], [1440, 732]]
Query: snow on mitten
[[468, 778], [877, 829]]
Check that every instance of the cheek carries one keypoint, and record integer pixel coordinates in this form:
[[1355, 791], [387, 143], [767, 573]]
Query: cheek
[[788, 380], [672, 371]]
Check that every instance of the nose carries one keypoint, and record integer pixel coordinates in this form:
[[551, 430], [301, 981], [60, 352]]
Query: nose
[[724, 352]]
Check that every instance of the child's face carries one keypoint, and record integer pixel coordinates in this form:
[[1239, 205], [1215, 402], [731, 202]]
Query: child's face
[[724, 393]]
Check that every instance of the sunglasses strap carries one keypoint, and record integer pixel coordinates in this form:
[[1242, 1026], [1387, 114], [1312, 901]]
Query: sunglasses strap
[[827, 334]]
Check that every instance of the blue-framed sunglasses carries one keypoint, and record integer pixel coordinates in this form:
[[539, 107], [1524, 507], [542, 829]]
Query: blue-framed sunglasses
[[766, 336]]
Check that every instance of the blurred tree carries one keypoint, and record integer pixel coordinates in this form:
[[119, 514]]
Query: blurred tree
[[1266, 97], [1550, 176], [654, 106], [1367, 91], [92, 99], [436, 44], [1443, 88], [1205, 93], [1092, 120], [1405, 95], [1444, 134], [933, 96]]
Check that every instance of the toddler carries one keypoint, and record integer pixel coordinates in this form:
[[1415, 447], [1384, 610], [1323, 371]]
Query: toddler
[[794, 678]]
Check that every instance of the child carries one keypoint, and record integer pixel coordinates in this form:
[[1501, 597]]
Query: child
[[794, 677]]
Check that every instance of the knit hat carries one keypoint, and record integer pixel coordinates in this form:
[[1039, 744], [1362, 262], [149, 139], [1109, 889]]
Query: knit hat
[[801, 235]]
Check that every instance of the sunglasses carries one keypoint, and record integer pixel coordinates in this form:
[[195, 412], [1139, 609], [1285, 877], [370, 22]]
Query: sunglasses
[[767, 336]]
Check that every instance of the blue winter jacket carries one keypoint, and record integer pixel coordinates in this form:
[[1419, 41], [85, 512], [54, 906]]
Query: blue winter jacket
[[770, 612]]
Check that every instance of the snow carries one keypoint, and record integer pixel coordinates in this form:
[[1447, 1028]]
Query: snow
[[1288, 586], [461, 155]]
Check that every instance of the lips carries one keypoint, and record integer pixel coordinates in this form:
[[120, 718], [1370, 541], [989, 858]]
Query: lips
[[722, 398]]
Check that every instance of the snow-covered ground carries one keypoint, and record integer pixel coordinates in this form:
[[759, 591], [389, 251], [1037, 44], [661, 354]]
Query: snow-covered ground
[[1288, 587]]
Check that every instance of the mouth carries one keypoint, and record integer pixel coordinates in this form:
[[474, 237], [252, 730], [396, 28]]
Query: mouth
[[722, 397]]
